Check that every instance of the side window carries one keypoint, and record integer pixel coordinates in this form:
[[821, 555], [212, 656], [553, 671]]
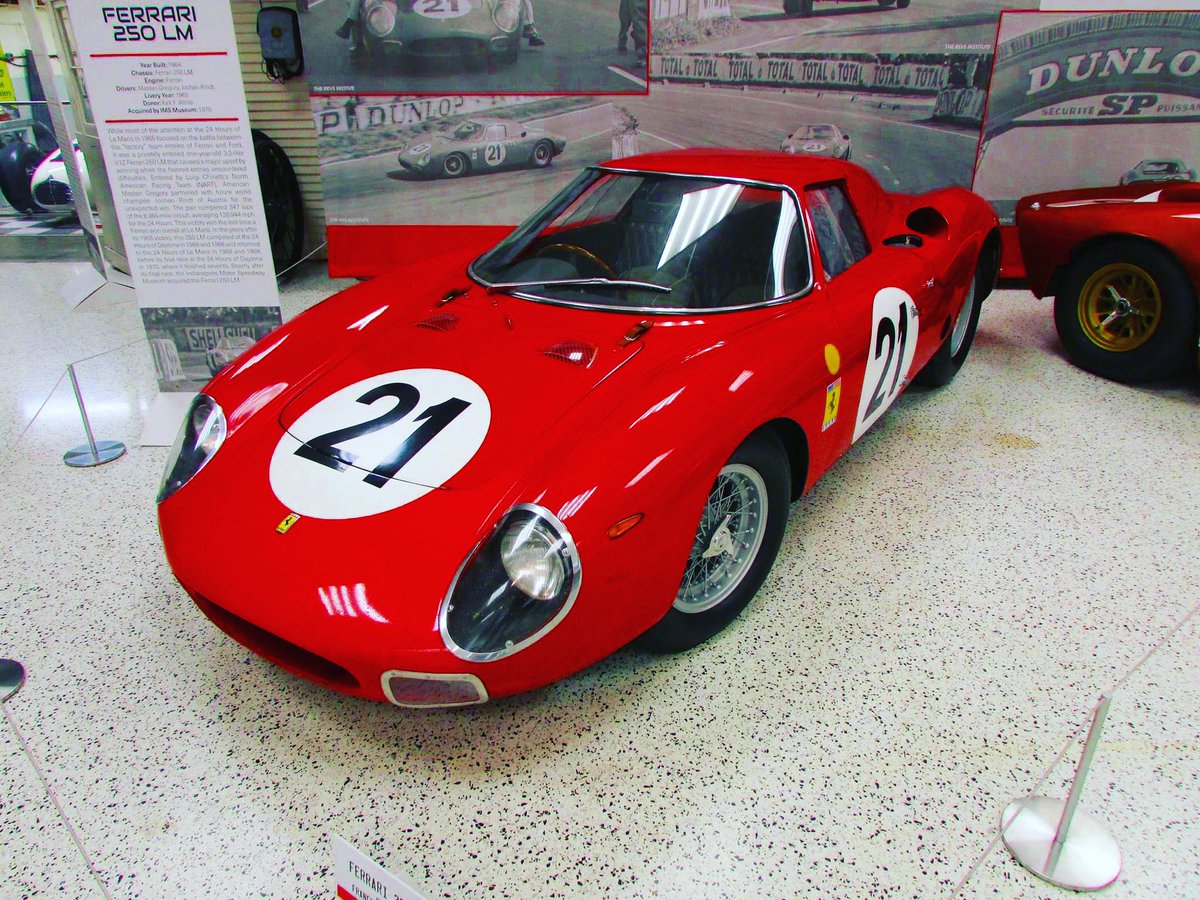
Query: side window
[[840, 239], [494, 133]]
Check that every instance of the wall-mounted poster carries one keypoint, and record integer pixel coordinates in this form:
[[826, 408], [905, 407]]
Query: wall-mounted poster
[[476, 46], [900, 91], [455, 160], [1082, 100]]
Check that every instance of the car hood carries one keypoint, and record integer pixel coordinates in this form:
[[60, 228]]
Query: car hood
[[517, 364]]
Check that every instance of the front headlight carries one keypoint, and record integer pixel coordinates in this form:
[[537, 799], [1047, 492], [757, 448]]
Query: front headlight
[[422, 160], [201, 436], [514, 587], [381, 18], [506, 15]]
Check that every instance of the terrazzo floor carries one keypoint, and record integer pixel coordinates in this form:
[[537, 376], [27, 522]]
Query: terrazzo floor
[[949, 603]]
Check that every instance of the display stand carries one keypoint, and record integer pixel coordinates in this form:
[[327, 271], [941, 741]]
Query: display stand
[[1056, 841], [93, 453]]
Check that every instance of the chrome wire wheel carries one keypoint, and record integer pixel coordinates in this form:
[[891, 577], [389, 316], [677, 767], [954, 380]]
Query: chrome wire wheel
[[963, 323], [727, 541]]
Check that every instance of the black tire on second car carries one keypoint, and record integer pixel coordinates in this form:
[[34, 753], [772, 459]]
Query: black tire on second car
[[18, 161], [282, 202], [806, 8], [886, 3], [737, 539], [791, 7], [1126, 310], [902, 4], [543, 154], [455, 165]]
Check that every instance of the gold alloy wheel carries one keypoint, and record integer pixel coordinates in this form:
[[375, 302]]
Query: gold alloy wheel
[[1119, 307]]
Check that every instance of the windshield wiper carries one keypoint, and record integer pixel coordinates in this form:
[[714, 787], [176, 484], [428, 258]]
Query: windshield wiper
[[581, 282]]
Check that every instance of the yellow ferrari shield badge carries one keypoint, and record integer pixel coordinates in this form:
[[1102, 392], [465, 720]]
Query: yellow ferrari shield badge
[[288, 521], [833, 396]]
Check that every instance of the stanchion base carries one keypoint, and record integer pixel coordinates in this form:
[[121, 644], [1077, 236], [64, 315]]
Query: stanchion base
[[81, 456], [1090, 858], [12, 676]]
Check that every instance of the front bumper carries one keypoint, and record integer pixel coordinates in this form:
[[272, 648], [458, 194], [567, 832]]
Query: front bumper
[[433, 39]]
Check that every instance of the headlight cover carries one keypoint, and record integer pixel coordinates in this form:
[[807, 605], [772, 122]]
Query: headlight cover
[[381, 18], [506, 15], [515, 586], [200, 436]]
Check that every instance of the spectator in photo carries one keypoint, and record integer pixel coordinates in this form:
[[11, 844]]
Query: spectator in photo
[[530, 32]]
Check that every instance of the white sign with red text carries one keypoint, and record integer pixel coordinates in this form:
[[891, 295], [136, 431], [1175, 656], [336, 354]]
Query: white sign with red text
[[361, 878], [165, 87]]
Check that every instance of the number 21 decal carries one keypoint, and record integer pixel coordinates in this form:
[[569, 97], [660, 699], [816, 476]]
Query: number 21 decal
[[889, 356], [379, 443]]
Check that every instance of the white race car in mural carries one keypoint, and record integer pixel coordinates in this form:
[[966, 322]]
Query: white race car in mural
[[50, 187], [818, 140], [1159, 170]]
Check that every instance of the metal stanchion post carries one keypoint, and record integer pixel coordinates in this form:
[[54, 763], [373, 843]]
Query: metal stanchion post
[[12, 676], [1059, 842], [91, 453]]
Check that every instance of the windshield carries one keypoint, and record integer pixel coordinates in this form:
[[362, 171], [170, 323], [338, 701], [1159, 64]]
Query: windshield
[[816, 133], [632, 241], [462, 132], [1162, 167]]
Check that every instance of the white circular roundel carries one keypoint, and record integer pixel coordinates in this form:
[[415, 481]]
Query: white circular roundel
[[379, 443]]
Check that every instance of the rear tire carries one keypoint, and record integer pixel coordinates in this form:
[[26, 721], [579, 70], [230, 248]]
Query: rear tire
[[949, 358], [1127, 311], [740, 530], [543, 154]]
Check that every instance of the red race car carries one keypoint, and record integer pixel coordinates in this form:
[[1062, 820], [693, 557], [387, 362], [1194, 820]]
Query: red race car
[[1122, 264], [469, 479]]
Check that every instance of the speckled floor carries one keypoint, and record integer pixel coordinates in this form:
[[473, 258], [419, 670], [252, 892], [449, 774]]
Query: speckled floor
[[949, 604]]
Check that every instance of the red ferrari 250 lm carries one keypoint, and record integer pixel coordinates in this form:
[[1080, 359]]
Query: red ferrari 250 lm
[[469, 479], [1122, 264]]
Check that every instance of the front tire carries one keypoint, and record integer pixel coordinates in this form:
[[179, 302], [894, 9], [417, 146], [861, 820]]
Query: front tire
[[737, 539], [455, 165], [1127, 311]]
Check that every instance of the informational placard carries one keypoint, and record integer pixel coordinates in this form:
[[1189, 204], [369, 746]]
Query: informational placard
[[166, 91], [361, 878]]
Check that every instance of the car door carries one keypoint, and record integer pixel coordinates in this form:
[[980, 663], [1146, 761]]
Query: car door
[[876, 295], [496, 145]]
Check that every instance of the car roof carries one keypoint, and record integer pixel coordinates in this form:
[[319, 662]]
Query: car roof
[[750, 165]]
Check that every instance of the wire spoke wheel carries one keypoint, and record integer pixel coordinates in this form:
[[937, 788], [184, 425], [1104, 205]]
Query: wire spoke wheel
[[731, 531], [1120, 307], [963, 323]]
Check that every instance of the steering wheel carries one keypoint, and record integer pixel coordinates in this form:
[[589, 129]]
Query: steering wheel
[[576, 250]]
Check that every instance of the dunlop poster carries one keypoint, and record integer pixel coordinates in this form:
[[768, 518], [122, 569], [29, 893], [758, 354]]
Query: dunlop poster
[[1094, 99]]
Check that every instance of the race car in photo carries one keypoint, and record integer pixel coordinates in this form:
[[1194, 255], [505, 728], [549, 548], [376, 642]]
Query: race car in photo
[[480, 145], [475, 476], [226, 351], [1159, 170], [438, 29], [1123, 265], [804, 8], [818, 140]]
